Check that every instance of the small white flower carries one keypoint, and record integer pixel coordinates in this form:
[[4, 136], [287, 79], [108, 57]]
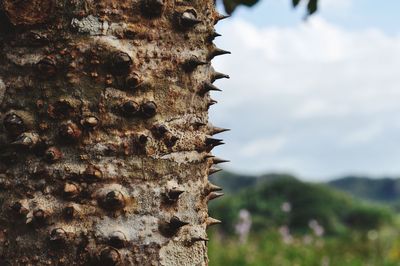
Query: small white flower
[[286, 207]]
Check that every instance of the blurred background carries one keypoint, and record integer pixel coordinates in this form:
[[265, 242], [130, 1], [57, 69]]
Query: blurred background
[[314, 107]]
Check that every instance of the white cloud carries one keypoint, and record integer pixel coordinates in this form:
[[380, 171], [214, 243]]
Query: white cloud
[[328, 96], [264, 146], [363, 135]]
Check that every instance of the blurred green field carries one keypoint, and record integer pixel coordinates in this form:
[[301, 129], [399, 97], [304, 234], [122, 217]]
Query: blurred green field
[[305, 224], [374, 248]]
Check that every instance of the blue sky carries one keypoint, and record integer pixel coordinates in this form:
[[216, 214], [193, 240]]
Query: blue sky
[[318, 99], [352, 14]]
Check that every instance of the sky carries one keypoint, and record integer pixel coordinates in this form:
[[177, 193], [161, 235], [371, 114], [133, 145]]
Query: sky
[[318, 98]]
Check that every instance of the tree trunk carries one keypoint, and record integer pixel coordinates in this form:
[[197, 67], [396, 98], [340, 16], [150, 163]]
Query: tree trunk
[[105, 137]]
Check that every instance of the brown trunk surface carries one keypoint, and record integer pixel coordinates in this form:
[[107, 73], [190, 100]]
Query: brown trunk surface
[[104, 136]]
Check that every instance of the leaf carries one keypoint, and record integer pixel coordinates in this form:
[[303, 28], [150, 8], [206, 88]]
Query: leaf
[[230, 5], [295, 3], [312, 6]]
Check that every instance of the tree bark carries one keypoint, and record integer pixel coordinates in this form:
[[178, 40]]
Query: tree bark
[[105, 141]]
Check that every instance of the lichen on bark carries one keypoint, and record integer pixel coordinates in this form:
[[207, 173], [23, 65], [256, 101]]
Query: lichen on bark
[[104, 139]]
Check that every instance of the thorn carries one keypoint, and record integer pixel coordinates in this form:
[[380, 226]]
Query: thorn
[[28, 140], [175, 222], [192, 63], [113, 200], [117, 239], [14, 124], [159, 130], [212, 147], [169, 229], [217, 160], [173, 194], [212, 141], [152, 8], [214, 195], [220, 17], [130, 108], [69, 132], [148, 109], [188, 19], [198, 124], [47, 66], [52, 154], [58, 236], [217, 52], [142, 139], [217, 75], [210, 187], [209, 148], [213, 35], [110, 256], [211, 102], [90, 122], [199, 238], [39, 217], [20, 207], [216, 130], [92, 173], [214, 170], [120, 63], [133, 81], [69, 211], [208, 156], [211, 221], [170, 140], [70, 190], [208, 86]]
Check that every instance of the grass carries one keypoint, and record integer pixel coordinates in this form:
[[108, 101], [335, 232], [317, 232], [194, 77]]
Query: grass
[[372, 248]]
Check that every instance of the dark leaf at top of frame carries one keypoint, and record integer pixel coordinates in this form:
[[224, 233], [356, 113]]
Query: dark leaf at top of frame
[[312, 6], [231, 5], [295, 2]]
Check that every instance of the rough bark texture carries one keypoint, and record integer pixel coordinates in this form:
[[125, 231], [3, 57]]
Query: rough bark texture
[[105, 139]]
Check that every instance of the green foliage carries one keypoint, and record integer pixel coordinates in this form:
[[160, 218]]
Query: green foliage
[[366, 217], [337, 212], [357, 232], [231, 5]]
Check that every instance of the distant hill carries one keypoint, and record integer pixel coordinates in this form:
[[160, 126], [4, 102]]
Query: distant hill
[[384, 190], [381, 190], [233, 182]]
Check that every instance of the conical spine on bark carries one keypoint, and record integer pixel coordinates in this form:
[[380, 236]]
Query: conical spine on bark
[[217, 75], [213, 35], [192, 63], [214, 195], [220, 17], [211, 221], [206, 87], [212, 188], [217, 160], [217, 52], [214, 170], [217, 130]]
